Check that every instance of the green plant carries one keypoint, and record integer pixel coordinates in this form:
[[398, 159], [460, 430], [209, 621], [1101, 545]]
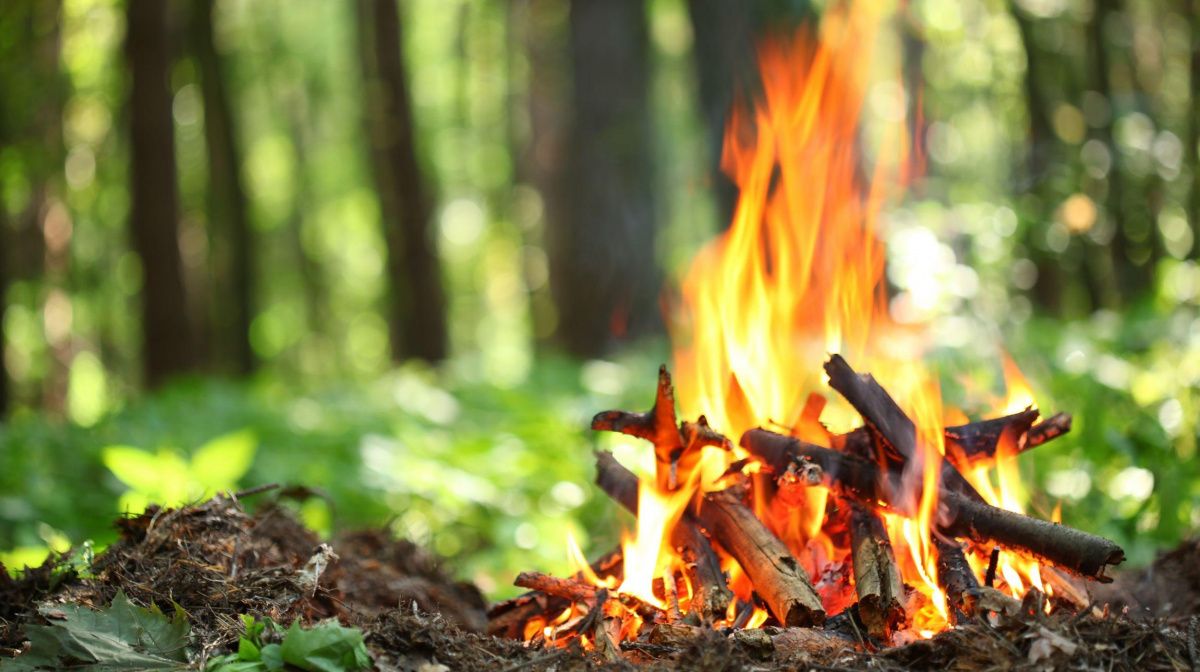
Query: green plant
[[168, 478], [265, 647]]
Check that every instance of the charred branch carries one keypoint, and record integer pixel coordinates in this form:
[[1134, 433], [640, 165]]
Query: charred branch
[[966, 444], [879, 411], [1073, 550], [876, 576], [656, 426], [777, 577], [712, 595], [962, 514], [954, 576], [508, 618], [1047, 430], [568, 589]]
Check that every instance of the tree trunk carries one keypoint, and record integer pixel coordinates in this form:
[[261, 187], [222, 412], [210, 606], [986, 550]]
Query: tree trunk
[[418, 312], [1192, 154], [538, 28], [167, 349], [723, 50], [232, 240], [1042, 148], [603, 268]]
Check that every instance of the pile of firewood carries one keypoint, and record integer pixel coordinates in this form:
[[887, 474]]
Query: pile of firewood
[[865, 472]]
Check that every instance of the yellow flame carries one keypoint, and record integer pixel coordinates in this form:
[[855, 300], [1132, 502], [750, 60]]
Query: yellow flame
[[647, 554]]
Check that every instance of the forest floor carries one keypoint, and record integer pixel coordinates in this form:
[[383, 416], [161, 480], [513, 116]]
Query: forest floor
[[218, 562]]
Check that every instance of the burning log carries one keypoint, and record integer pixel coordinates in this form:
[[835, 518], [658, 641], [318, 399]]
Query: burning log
[[508, 618], [568, 589], [1047, 430], [712, 595], [978, 440], [846, 473], [676, 448], [954, 575], [777, 577], [961, 515], [1065, 547], [876, 576]]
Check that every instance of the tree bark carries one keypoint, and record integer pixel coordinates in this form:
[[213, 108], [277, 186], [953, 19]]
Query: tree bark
[[417, 324], [232, 240], [603, 267], [167, 347]]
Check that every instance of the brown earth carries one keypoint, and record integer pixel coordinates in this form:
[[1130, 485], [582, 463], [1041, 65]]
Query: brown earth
[[217, 561]]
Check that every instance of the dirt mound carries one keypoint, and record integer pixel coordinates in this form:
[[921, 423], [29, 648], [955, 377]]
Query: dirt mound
[[217, 562]]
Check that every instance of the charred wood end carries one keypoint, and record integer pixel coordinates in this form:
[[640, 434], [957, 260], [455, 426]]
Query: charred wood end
[[877, 408], [1049, 429], [979, 440], [568, 589], [656, 425], [777, 577]]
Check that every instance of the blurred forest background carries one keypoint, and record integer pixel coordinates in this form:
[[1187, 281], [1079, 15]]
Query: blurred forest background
[[398, 253]]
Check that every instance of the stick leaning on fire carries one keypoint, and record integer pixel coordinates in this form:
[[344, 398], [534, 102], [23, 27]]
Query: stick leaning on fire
[[864, 472]]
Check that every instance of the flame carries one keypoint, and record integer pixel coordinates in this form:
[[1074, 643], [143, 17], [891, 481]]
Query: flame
[[647, 554], [800, 271]]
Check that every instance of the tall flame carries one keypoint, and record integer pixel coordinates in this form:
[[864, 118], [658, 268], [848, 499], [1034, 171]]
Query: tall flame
[[799, 273]]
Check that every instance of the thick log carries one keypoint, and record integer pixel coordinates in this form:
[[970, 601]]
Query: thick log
[[777, 577], [711, 594], [975, 441], [1070, 549], [876, 576], [954, 575], [960, 514], [1047, 430]]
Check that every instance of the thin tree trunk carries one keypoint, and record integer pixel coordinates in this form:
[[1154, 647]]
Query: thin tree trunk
[[538, 28], [167, 349], [1042, 147], [5, 251], [1192, 154], [603, 267], [723, 51], [418, 310], [229, 223]]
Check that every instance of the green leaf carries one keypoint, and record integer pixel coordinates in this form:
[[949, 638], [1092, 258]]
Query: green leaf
[[135, 468], [218, 464], [272, 657], [248, 650], [120, 637], [327, 647]]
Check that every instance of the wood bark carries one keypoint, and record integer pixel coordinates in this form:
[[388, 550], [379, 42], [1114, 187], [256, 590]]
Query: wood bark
[[1065, 547], [167, 347], [229, 223], [954, 576], [508, 618], [876, 575], [979, 440], [712, 595], [777, 577], [604, 272], [568, 589], [417, 323]]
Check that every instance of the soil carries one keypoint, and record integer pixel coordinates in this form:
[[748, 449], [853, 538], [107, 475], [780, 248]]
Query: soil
[[217, 561]]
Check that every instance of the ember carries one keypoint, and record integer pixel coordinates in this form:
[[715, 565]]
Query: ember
[[903, 526]]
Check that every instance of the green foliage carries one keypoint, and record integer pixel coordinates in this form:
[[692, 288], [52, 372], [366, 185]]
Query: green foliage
[[266, 647], [166, 478], [122, 636]]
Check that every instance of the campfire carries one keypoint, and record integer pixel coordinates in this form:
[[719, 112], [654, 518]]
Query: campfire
[[845, 505]]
